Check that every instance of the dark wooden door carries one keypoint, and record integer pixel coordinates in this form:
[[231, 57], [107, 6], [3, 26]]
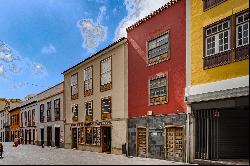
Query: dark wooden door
[[106, 139], [49, 136], [74, 137], [42, 136], [57, 136]]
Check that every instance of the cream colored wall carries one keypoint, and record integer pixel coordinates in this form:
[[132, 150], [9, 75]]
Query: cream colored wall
[[118, 91]]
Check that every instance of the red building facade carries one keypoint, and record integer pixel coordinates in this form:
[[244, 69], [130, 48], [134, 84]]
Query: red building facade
[[156, 81]]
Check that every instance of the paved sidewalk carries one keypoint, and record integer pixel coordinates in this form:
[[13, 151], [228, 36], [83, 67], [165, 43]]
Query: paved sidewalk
[[32, 154]]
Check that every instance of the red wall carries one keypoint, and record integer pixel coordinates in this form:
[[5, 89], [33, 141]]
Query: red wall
[[172, 19]]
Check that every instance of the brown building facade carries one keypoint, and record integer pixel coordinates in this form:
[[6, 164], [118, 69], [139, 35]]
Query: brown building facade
[[96, 101], [14, 123]]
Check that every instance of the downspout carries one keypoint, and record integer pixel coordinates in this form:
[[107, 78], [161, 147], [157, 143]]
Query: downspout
[[188, 77]]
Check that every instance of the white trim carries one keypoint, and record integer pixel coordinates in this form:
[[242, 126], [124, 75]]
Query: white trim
[[218, 86]]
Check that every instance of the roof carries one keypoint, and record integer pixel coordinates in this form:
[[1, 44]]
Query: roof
[[50, 88], [106, 48], [154, 13]]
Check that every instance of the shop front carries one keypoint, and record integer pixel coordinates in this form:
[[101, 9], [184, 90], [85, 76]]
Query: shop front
[[103, 137]]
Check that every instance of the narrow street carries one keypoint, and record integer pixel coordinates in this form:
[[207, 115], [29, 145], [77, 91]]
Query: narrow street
[[34, 155]]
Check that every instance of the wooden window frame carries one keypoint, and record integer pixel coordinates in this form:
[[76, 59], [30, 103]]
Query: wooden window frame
[[88, 92], [162, 57], [74, 117], [107, 86], [42, 113], [160, 98], [234, 54], [106, 116], [57, 110], [33, 119], [88, 117], [241, 52], [217, 2], [48, 111], [74, 96]]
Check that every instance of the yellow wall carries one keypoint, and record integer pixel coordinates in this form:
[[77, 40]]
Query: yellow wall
[[200, 19]]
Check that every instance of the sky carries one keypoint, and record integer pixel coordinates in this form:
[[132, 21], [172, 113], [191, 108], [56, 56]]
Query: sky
[[39, 39]]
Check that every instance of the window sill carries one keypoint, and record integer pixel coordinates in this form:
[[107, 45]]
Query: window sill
[[241, 53], [208, 8], [159, 59], [74, 97], [106, 87], [216, 60], [88, 93]]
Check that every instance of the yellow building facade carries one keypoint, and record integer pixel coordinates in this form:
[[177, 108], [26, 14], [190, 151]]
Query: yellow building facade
[[201, 19], [217, 84]]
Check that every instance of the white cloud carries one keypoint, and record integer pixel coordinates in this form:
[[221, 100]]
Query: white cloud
[[39, 69], [136, 10], [19, 85], [5, 53], [2, 71], [93, 33], [50, 49], [13, 63]]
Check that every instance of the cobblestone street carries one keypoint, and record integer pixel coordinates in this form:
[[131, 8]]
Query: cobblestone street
[[33, 155]]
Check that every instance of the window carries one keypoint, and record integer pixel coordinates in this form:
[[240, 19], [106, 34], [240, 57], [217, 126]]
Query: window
[[33, 117], [74, 86], [49, 111], [218, 38], [208, 4], [226, 38], [25, 116], [106, 108], [106, 74], [22, 119], [88, 81], [242, 30], [158, 49], [75, 112], [81, 135], [42, 113], [57, 109], [158, 90], [89, 111], [89, 136], [93, 135]]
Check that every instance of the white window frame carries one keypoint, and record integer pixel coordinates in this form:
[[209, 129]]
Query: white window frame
[[158, 87], [74, 84], [73, 110], [154, 44], [106, 71], [220, 29], [88, 109], [88, 78], [242, 24]]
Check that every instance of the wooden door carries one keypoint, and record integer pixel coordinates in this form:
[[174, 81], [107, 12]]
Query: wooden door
[[142, 142], [106, 139], [174, 143], [74, 138], [57, 136]]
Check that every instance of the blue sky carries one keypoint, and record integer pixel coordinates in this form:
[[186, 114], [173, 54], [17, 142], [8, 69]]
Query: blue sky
[[39, 39]]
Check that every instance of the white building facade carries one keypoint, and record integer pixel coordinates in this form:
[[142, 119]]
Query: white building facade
[[28, 120], [50, 118]]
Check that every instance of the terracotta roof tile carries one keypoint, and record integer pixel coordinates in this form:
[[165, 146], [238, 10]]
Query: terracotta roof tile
[[167, 5]]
